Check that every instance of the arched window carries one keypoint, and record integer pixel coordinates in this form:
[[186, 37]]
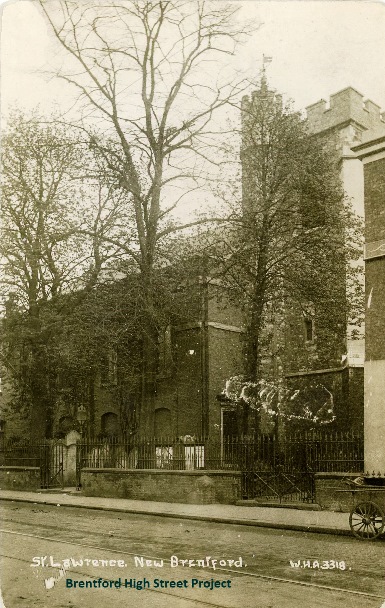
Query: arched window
[[109, 424], [2, 430]]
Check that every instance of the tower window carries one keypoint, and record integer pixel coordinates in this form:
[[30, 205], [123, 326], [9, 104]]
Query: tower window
[[309, 329]]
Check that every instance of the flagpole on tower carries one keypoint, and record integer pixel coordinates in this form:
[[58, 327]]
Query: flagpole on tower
[[265, 61]]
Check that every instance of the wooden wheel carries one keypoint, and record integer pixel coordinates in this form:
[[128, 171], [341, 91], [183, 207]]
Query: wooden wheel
[[367, 520]]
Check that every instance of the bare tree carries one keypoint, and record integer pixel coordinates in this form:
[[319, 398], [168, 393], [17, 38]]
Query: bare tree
[[155, 74]]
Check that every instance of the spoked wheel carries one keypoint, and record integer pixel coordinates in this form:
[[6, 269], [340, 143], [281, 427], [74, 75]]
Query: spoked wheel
[[367, 520]]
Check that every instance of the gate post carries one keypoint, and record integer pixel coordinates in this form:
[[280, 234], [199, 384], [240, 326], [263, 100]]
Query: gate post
[[44, 456], [70, 458]]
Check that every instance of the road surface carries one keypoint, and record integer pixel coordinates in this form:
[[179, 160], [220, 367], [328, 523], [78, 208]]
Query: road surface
[[53, 556]]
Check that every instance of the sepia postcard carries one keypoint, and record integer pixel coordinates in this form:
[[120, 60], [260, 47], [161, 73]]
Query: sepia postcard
[[192, 303]]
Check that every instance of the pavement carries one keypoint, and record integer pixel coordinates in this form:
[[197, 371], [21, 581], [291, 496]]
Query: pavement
[[279, 517]]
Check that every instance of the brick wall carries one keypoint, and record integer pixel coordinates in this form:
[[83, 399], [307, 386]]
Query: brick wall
[[375, 315], [19, 478], [190, 487], [189, 397], [374, 185], [332, 494], [374, 182], [355, 399], [375, 269], [207, 350], [225, 360]]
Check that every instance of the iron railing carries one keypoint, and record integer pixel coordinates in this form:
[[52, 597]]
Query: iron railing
[[306, 451], [47, 455], [271, 468], [21, 453]]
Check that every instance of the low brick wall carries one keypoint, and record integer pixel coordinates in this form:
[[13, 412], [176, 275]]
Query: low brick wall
[[191, 487], [332, 494], [19, 478]]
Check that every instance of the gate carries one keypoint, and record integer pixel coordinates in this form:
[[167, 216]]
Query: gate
[[47, 455], [52, 465], [278, 471], [283, 469], [278, 485]]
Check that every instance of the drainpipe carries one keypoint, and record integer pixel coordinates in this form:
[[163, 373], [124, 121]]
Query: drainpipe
[[204, 357]]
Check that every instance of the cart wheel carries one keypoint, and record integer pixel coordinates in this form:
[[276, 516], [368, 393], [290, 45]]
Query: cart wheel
[[366, 520]]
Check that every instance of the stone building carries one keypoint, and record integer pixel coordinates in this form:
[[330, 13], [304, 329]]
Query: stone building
[[348, 119], [310, 357]]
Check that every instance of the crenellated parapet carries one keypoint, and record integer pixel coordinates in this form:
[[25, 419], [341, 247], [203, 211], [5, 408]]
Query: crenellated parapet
[[345, 107], [252, 107]]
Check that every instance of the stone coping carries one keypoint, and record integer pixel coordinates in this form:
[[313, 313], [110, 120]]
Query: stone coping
[[5, 467], [195, 472], [363, 489], [337, 475]]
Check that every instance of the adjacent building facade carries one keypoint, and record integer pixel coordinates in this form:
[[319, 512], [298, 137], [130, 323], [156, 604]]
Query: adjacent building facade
[[371, 151]]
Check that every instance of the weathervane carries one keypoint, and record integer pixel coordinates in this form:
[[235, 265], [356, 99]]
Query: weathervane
[[265, 61]]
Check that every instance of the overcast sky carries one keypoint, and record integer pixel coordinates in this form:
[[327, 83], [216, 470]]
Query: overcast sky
[[317, 48]]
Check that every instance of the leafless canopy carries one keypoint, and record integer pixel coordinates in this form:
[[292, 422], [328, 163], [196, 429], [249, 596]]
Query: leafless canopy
[[154, 73]]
